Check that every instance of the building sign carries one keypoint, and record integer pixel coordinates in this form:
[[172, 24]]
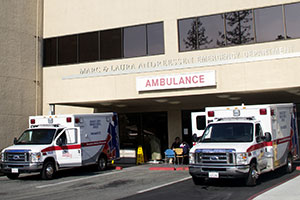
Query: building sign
[[176, 81], [181, 62]]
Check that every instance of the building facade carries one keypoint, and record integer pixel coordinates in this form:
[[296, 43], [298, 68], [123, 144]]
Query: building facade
[[20, 64], [154, 62]]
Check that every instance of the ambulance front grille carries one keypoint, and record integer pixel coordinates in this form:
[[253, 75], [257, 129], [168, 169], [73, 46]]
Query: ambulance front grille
[[16, 157], [219, 158]]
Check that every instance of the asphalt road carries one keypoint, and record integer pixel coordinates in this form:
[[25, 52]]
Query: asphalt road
[[217, 189], [132, 183]]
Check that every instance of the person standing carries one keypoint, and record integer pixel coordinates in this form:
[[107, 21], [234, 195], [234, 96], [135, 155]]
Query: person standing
[[176, 143]]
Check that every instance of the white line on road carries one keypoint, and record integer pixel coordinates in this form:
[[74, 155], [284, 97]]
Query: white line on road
[[75, 180], [163, 185]]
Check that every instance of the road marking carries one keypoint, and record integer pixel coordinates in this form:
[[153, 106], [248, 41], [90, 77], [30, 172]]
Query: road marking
[[75, 180], [163, 185]]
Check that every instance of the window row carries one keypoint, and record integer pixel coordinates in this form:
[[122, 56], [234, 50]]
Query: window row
[[117, 43], [240, 27]]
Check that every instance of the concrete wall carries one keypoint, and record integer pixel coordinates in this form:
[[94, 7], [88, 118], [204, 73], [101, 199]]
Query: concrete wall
[[251, 68], [20, 65], [277, 70]]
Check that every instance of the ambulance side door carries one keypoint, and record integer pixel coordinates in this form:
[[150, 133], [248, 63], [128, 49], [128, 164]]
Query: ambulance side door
[[68, 148], [260, 152]]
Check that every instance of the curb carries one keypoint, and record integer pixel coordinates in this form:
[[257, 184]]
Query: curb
[[118, 168], [168, 168]]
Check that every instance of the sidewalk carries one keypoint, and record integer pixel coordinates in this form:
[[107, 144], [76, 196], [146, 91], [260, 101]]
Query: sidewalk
[[287, 191]]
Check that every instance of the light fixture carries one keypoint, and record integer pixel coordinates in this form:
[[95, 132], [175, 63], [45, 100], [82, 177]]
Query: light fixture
[[161, 100], [106, 104], [174, 102], [121, 105], [223, 96], [234, 98]]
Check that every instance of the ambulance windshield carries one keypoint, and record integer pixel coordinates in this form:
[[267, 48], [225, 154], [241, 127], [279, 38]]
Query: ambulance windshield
[[37, 136], [228, 132]]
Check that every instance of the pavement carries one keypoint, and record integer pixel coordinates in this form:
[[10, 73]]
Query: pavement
[[288, 190]]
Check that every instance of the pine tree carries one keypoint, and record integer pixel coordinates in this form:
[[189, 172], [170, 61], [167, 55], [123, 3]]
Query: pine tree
[[196, 36], [239, 27]]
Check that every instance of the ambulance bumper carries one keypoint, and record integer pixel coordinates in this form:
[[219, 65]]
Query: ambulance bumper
[[219, 171], [24, 167]]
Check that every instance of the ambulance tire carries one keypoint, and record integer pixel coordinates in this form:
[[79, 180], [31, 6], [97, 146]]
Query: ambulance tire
[[12, 176], [48, 170], [252, 175], [102, 163], [289, 164], [198, 180]]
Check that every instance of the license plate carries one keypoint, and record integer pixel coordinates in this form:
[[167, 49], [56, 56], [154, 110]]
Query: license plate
[[14, 170], [213, 175]]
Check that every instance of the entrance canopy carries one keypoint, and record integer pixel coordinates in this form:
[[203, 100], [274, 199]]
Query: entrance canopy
[[290, 95]]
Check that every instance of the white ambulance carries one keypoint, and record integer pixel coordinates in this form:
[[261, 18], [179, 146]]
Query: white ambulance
[[244, 142], [60, 141]]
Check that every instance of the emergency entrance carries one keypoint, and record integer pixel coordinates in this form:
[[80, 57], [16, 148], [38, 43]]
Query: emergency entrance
[[150, 130]]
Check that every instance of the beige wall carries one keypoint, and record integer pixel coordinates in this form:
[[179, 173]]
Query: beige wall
[[255, 67], [20, 65], [75, 16]]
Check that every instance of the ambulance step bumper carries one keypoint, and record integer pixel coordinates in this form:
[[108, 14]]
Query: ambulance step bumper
[[219, 171]]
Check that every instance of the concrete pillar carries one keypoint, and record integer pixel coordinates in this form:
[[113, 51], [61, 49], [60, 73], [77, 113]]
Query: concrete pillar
[[174, 125]]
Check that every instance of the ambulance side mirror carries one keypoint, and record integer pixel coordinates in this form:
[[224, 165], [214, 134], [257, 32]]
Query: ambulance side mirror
[[194, 137], [268, 137], [59, 142], [15, 140]]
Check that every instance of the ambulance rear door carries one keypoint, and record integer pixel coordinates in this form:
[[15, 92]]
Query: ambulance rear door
[[198, 123]]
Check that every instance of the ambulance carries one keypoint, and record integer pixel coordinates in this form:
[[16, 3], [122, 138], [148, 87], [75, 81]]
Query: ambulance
[[63, 141], [244, 142]]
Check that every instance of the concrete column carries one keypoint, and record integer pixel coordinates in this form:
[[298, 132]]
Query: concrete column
[[174, 125]]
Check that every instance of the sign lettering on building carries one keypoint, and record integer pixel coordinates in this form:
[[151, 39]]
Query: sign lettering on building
[[118, 67], [176, 81]]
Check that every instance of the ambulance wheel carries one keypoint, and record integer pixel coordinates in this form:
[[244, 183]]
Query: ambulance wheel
[[289, 164], [48, 170], [197, 180], [12, 176], [252, 175], [102, 163]]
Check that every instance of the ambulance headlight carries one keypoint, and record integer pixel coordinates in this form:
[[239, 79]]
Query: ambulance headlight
[[241, 158], [35, 157], [192, 158]]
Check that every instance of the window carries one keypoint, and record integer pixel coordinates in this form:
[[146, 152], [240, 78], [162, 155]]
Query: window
[[67, 49], [292, 18], [201, 33], [50, 51], [110, 44], [142, 40], [135, 41], [155, 38], [71, 136], [88, 47], [200, 122], [187, 34], [258, 133], [211, 31], [239, 27], [269, 24]]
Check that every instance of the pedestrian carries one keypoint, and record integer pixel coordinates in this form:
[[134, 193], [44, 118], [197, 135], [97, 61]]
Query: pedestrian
[[176, 143]]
